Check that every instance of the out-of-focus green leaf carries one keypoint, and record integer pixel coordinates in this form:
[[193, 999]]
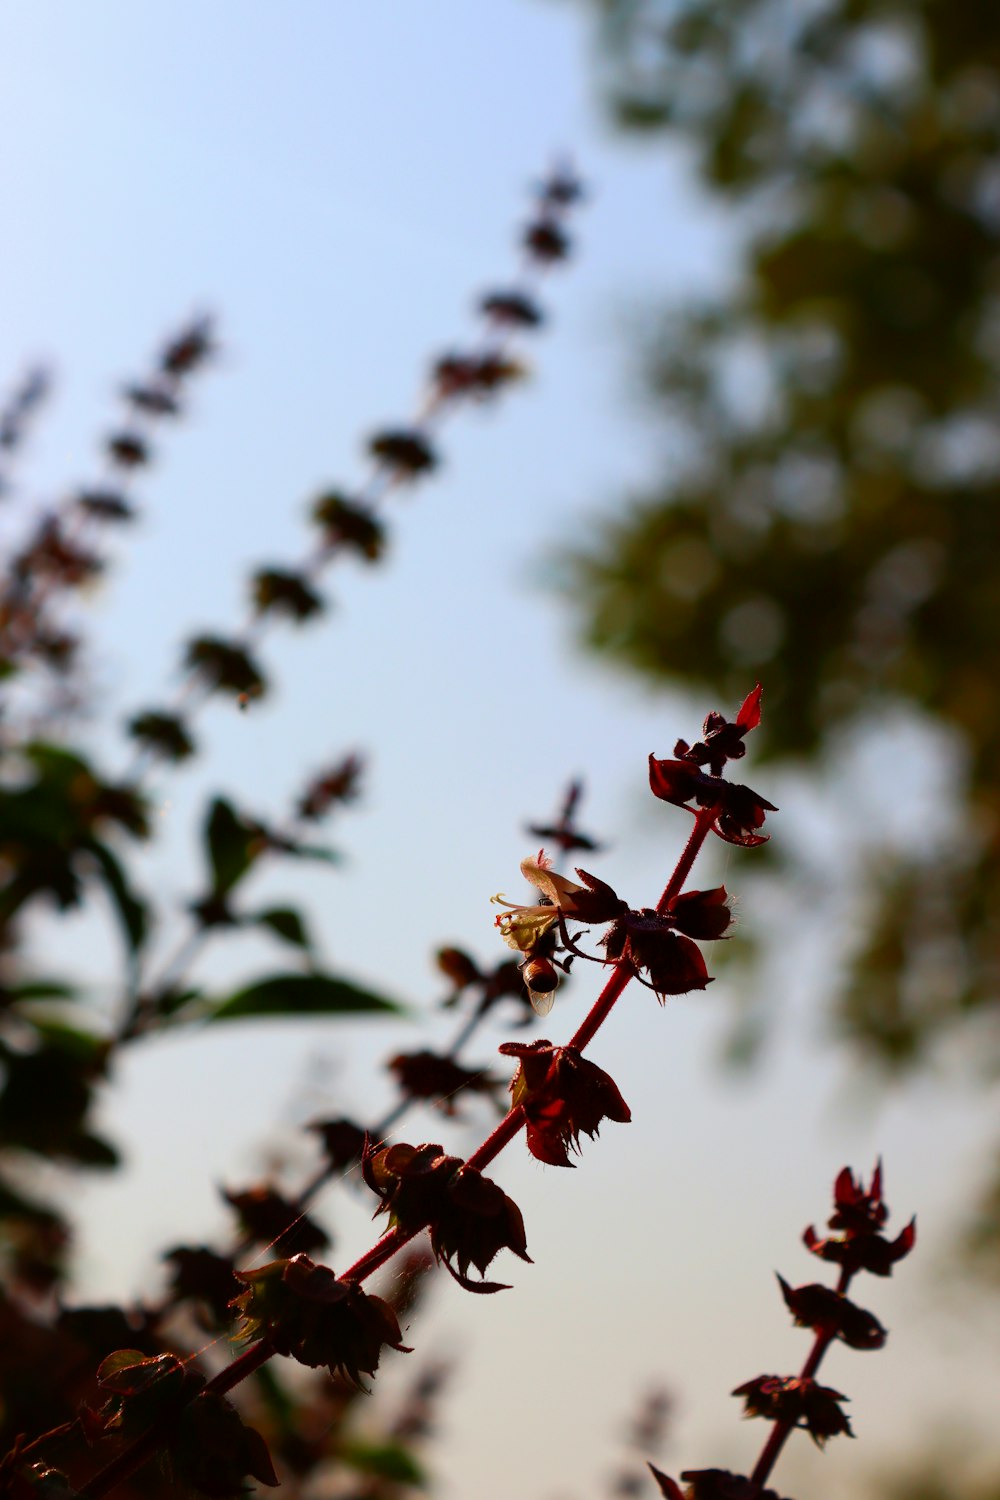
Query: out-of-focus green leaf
[[829, 519], [288, 995], [40, 989], [386, 1460], [47, 1093], [170, 1002], [132, 912], [86, 1048], [232, 844], [286, 923], [90, 1150]]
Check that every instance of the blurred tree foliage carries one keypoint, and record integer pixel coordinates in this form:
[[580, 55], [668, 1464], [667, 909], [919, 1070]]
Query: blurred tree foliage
[[830, 522]]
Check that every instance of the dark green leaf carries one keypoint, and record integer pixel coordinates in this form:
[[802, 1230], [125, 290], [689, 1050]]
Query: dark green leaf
[[84, 1047], [286, 923], [386, 1460], [232, 844], [301, 995], [41, 989], [131, 910], [90, 1151], [169, 1002]]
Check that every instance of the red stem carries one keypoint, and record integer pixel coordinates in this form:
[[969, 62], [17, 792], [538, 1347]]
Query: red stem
[[145, 1446], [781, 1431], [605, 1001], [379, 1253], [703, 820]]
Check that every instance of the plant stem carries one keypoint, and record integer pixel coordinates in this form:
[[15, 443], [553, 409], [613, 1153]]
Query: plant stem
[[605, 1001], [379, 1253], [258, 1354], [703, 820], [781, 1431]]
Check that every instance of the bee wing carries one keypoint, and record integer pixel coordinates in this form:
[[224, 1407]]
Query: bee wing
[[542, 1001]]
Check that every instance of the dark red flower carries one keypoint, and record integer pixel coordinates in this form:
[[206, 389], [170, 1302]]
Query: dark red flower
[[512, 309], [478, 375], [832, 1314], [564, 831], [165, 733], [212, 1451], [456, 965], [863, 1252], [561, 1094], [669, 1488], [405, 450], [470, 1219], [660, 942], [739, 810], [801, 1401], [53, 554], [723, 740], [153, 399], [561, 188], [277, 590], [429, 1075], [860, 1214], [224, 664], [308, 1313], [105, 505], [705, 915], [189, 348], [347, 524], [856, 1209], [204, 1276], [128, 449], [339, 784], [546, 241], [276, 1221], [343, 1141], [721, 1484]]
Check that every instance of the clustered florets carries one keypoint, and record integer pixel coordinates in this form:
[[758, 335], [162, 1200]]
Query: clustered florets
[[799, 1401], [470, 1219], [659, 943], [562, 1094], [296, 1307]]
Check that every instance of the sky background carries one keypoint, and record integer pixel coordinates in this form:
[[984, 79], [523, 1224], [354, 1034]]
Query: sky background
[[338, 184]]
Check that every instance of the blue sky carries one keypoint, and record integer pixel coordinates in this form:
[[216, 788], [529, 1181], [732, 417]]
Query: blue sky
[[338, 183]]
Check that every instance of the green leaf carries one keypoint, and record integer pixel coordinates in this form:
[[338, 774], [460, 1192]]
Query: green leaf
[[301, 995], [232, 845], [286, 923], [85, 1047], [59, 766], [90, 1151], [169, 1002], [386, 1460], [132, 912], [41, 989]]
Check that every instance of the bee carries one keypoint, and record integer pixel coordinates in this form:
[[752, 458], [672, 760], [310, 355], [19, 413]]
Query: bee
[[541, 980]]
